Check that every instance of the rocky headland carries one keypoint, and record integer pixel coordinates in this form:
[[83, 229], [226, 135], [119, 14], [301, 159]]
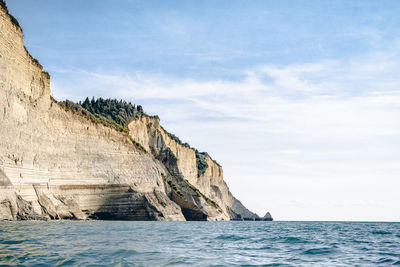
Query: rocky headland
[[56, 163]]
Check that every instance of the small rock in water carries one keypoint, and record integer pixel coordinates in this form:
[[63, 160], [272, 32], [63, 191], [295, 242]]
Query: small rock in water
[[267, 217]]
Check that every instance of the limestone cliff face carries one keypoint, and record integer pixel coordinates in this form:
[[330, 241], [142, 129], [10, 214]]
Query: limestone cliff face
[[219, 202], [59, 162], [55, 164]]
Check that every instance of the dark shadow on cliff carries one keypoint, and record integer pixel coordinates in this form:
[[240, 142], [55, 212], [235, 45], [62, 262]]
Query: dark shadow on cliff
[[120, 202], [4, 181]]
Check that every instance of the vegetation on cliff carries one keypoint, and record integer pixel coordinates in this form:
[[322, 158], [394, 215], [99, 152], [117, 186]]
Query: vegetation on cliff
[[174, 187], [201, 162], [137, 144], [176, 138], [110, 112], [116, 111], [199, 193], [200, 156], [118, 114]]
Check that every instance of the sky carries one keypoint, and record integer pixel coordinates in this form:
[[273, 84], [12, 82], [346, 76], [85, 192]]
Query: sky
[[299, 101]]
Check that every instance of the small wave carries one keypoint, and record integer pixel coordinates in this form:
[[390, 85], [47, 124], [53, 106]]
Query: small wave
[[12, 242], [177, 261], [230, 237], [384, 260], [266, 248], [361, 241], [294, 240], [396, 263], [263, 239], [266, 265], [381, 232], [390, 254], [125, 253], [65, 262], [318, 251]]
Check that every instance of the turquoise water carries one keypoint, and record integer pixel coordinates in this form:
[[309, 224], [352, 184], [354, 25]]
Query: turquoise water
[[110, 243]]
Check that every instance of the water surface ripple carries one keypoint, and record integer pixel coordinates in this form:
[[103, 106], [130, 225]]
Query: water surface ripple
[[102, 243]]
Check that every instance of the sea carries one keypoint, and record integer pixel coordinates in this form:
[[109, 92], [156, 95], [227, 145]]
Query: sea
[[127, 243]]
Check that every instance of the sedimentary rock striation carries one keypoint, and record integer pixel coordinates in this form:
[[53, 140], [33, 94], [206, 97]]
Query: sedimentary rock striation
[[55, 164]]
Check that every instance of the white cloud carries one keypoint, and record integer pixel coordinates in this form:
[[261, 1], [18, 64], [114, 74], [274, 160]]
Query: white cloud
[[324, 134]]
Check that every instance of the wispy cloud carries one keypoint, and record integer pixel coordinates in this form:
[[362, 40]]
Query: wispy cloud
[[371, 82]]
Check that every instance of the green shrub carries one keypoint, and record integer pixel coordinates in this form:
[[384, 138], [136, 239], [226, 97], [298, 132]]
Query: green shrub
[[116, 111], [175, 189], [47, 74], [36, 61], [109, 112], [201, 162], [199, 193], [137, 144]]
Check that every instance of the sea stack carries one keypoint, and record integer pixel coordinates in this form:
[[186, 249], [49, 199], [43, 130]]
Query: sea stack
[[267, 217]]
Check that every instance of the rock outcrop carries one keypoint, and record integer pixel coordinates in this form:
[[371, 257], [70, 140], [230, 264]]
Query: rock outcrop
[[207, 190], [55, 164], [267, 217]]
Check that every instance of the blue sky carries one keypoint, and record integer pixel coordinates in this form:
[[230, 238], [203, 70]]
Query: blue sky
[[202, 39], [298, 100]]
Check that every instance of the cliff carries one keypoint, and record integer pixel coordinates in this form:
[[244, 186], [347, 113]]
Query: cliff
[[208, 190], [56, 164]]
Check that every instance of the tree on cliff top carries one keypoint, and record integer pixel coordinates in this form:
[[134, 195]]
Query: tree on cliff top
[[117, 111], [113, 112]]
